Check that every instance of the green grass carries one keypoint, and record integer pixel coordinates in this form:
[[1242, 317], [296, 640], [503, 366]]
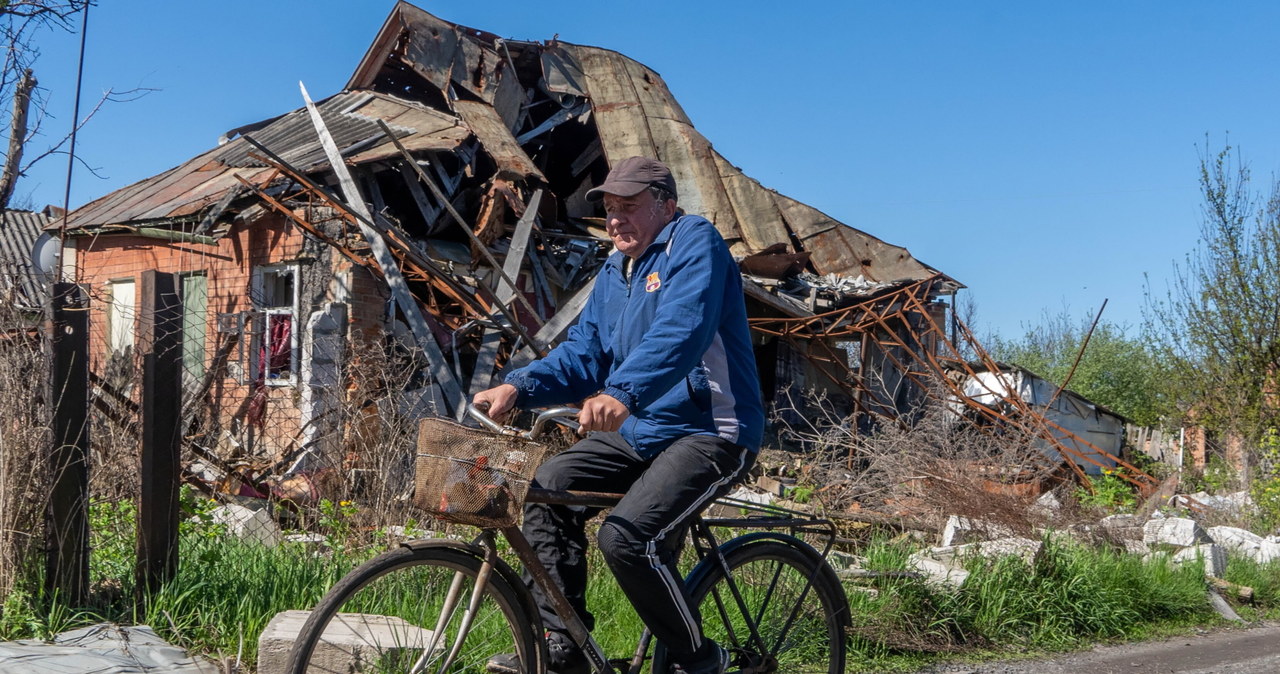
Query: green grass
[[1071, 595], [225, 592]]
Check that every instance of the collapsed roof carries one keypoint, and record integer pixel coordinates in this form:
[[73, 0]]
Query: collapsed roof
[[550, 114]]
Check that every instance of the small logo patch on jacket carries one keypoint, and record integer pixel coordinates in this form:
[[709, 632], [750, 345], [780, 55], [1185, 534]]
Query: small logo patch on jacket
[[652, 282]]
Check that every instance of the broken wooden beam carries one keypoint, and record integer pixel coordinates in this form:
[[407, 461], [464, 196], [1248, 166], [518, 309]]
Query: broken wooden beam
[[466, 228], [395, 280], [486, 357]]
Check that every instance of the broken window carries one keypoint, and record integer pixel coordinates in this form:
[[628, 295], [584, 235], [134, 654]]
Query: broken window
[[121, 312], [275, 349]]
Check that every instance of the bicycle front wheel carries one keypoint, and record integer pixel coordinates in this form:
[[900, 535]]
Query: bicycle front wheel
[[417, 610], [785, 610]]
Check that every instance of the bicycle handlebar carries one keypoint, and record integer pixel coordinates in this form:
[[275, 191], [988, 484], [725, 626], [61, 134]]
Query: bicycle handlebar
[[558, 414]]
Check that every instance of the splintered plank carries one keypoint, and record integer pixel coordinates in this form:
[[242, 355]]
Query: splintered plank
[[391, 271], [482, 375], [496, 140], [555, 328]]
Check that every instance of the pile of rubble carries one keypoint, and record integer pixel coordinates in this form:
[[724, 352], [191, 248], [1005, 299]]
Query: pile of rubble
[[1158, 538]]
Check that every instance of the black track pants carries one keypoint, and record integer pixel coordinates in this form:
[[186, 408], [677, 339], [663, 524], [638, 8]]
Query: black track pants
[[641, 537]]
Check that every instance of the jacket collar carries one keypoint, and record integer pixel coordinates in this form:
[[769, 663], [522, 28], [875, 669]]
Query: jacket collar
[[661, 240]]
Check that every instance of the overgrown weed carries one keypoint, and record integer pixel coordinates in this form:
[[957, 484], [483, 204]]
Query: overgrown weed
[[1070, 594]]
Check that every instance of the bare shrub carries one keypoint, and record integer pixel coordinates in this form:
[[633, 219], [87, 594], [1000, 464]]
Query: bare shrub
[[354, 477], [24, 442], [941, 464]]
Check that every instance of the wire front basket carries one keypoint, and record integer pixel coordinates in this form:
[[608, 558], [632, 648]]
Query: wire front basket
[[470, 476]]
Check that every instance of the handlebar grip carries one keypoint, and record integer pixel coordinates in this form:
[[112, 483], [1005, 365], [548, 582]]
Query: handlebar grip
[[477, 412]]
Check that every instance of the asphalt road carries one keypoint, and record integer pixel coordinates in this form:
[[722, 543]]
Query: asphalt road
[[1252, 650]]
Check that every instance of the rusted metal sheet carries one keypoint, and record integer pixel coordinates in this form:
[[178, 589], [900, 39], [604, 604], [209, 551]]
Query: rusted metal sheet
[[636, 115], [753, 210], [561, 72], [431, 48], [841, 249], [197, 184], [497, 141]]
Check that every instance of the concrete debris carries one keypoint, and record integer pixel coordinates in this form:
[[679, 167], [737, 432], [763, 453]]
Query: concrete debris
[[744, 493], [1013, 546], [842, 561], [1136, 546], [936, 572], [1121, 521], [344, 641], [1235, 539], [1176, 531], [1267, 553], [1214, 556], [960, 530], [248, 524], [316, 544], [1047, 505], [1222, 607], [1236, 502]]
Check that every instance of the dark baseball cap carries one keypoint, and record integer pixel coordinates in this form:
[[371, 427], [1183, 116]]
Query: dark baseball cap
[[632, 176]]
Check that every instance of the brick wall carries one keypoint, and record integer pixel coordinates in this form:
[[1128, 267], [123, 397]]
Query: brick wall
[[228, 267]]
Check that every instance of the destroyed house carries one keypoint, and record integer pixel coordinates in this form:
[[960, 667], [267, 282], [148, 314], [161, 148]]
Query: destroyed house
[[457, 225], [1080, 430]]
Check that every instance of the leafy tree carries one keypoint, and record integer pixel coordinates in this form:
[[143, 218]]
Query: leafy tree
[[1218, 322], [1118, 372]]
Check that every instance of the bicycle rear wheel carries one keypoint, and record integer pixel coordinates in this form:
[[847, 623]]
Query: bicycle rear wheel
[[801, 631], [394, 614]]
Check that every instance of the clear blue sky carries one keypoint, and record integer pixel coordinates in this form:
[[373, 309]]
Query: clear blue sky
[[1044, 154]]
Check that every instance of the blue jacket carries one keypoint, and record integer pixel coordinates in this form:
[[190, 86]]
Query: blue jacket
[[671, 343]]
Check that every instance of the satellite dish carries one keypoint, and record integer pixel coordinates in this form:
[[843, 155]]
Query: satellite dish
[[44, 255]]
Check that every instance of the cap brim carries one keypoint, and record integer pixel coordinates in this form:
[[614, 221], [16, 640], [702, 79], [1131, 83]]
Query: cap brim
[[621, 188]]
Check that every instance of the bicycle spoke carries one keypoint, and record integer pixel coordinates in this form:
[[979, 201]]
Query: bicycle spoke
[[775, 604], [791, 618], [773, 584], [377, 618]]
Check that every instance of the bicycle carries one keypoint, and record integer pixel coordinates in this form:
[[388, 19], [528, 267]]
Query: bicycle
[[767, 596]]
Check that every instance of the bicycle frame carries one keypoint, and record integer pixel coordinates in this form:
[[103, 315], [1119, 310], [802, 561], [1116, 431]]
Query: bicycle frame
[[706, 546]]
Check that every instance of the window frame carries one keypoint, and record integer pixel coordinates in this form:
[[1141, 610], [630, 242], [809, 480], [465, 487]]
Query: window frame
[[262, 317]]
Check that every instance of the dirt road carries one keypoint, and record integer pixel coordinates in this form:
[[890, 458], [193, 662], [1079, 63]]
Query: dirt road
[[1253, 650]]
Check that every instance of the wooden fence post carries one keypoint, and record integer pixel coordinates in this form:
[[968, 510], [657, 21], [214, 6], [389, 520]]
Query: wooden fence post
[[67, 517], [160, 342]]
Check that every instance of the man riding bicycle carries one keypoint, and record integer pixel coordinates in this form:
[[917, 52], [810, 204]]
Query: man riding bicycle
[[661, 359]]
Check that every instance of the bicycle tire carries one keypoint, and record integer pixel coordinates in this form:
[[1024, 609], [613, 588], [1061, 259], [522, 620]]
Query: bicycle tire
[[771, 572], [381, 617]]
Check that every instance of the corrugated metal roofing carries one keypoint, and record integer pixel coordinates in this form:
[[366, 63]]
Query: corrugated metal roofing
[[18, 233], [190, 188]]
